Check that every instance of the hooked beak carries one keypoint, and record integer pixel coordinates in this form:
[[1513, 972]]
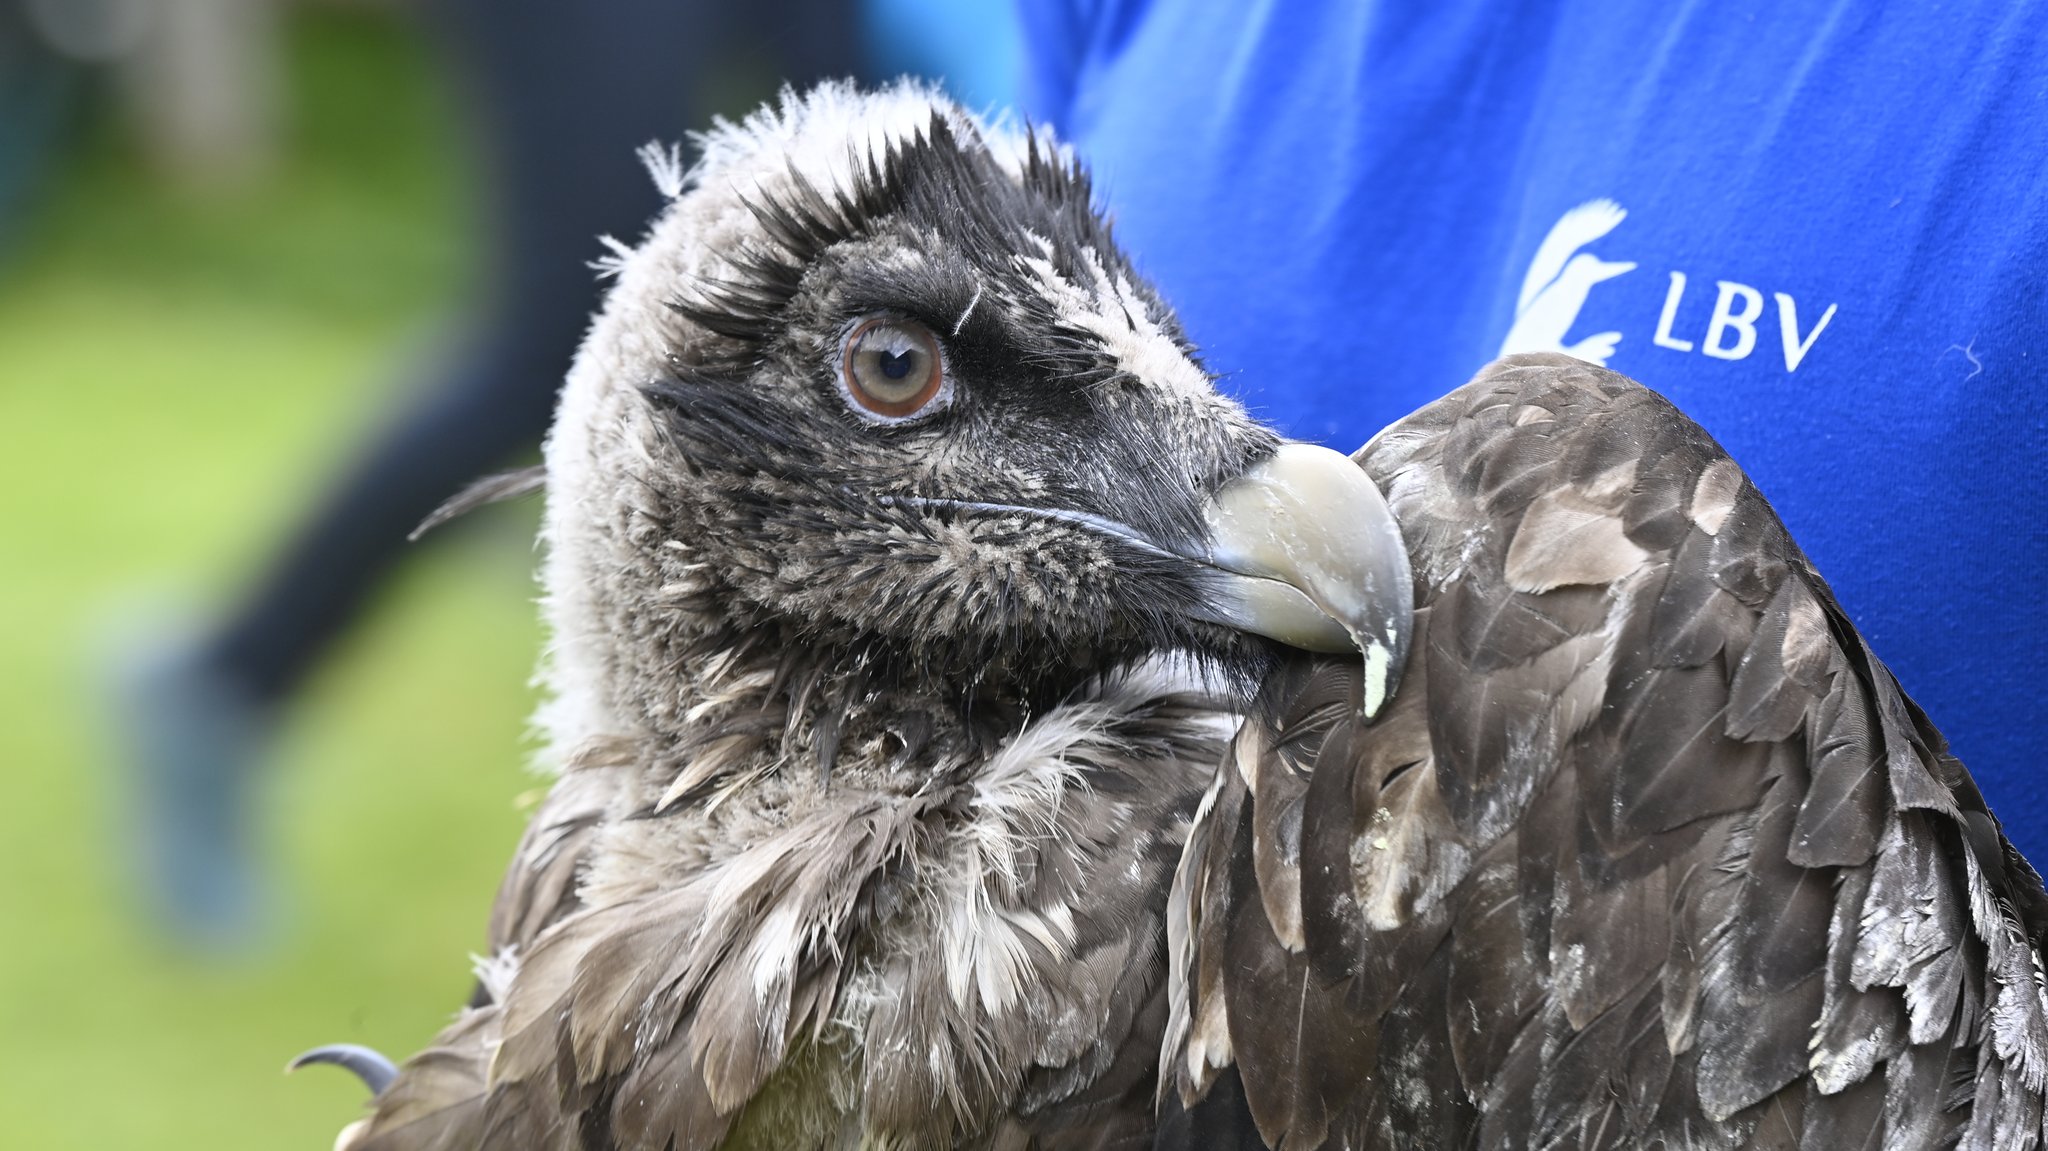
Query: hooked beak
[[1302, 548], [1307, 552]]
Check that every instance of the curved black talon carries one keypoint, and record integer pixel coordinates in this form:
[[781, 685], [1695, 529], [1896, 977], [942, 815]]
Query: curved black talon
[[370, 1066]]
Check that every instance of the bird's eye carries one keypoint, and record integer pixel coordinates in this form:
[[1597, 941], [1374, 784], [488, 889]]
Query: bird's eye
[[891, 368]]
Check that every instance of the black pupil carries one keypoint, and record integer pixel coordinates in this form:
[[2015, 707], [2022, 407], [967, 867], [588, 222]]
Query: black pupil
[[897, 365]]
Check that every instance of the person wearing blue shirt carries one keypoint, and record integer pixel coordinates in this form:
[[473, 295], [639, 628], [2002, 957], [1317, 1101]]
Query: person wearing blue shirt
[[1820, 228]]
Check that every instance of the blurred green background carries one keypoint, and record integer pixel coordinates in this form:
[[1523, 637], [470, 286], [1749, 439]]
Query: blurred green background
[[178, 374]]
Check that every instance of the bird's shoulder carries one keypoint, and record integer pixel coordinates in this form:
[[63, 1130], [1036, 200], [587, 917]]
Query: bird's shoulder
[[1649, 845]]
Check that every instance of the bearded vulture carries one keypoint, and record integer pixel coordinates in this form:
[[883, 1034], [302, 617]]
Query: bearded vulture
[[973, 730]]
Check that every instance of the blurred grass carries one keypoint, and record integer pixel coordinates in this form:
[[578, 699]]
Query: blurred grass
[[176, 379]]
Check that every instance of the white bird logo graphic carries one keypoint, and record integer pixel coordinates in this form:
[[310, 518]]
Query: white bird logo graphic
[[1558, 280]]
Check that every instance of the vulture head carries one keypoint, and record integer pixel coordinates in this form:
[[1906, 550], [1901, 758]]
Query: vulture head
[[900, 557], [880, 389]]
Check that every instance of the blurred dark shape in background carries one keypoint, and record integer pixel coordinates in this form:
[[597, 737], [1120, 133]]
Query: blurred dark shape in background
[[37, 89], [559, 94], [199, 77], [217, 217]]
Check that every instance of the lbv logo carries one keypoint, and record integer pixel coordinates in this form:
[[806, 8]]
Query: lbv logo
[[1562, 274]]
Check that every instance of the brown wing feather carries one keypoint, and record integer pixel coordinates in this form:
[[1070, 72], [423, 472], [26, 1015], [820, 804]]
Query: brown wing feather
[[1649, 850]]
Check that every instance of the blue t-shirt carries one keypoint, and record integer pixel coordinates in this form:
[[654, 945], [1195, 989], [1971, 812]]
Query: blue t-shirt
[[1821, 229]]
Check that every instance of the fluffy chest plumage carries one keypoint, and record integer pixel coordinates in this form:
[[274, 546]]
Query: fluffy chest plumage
[[799, 962]]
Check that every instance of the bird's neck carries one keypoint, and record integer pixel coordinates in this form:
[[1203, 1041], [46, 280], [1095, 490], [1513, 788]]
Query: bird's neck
[[746, 704]]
